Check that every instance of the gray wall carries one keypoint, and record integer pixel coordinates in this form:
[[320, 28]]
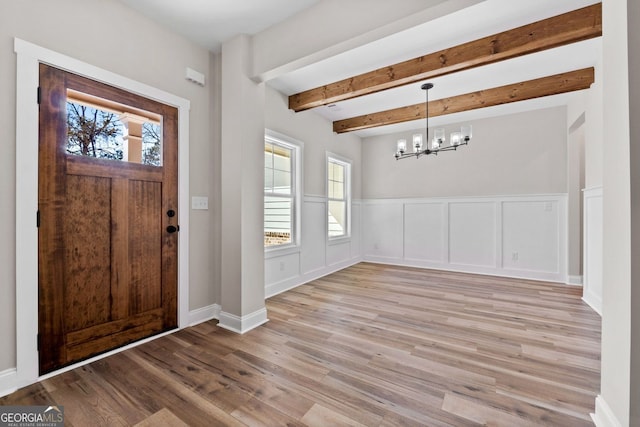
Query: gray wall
[[522, 153], [136, 48]]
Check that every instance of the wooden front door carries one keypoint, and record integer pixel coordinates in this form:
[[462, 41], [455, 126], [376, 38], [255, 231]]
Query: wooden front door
[[107, 240]]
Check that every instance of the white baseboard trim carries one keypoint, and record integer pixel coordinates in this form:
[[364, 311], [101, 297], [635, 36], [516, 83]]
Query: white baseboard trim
[[204, 314], [594, 301], [8, 381], [604, 416], [285, 285], [459, 268], [574, 280], [241, 325]]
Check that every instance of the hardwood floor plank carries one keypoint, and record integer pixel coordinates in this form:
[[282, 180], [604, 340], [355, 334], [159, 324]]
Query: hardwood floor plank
[[320, 416], [370, 345], [164, 418]]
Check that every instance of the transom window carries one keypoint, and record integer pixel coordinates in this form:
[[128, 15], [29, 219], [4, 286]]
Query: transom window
[[107, 130]]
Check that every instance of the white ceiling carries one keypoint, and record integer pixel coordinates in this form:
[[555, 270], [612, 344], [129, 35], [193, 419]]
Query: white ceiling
[[209, 23]]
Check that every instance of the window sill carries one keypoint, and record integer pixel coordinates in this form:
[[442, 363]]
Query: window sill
[[276, 251]]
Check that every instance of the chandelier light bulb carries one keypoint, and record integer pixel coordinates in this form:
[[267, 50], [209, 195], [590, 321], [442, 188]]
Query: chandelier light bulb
[[402, 146], [417, 142]]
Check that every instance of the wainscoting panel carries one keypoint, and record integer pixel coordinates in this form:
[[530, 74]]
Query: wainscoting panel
[[282, 267], [356, 233], [516, 236], [425, 232], [382, 225], [530, 236], [316, 256], [592, 238], [472, 234]]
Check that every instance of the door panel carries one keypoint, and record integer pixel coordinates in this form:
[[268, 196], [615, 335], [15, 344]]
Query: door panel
[[87, 229], [107, 264]]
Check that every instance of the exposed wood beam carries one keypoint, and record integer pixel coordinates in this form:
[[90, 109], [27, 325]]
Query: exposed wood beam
[[545, 86], [571, 27]]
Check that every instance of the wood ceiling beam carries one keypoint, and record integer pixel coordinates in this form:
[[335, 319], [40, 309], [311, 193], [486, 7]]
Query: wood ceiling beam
[[571, 27], [545, 86]]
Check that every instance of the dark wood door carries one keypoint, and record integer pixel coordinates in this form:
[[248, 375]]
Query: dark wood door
[[107, 255]]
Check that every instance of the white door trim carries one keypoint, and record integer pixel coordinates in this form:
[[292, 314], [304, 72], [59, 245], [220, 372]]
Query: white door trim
[[29, 56]]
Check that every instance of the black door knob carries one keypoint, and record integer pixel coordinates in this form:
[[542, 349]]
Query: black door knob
[[172, 229], [171, 213]]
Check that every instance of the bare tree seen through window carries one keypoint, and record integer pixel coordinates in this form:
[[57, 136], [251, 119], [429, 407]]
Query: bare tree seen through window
[[151, 144], [97, 133], [93, 132]]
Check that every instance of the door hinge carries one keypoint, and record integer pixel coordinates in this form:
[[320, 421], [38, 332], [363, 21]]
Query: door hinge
[[39, 94], [38, 218]]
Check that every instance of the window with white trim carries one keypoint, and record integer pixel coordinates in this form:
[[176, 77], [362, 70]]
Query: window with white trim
[[281, 191], [338, 196]]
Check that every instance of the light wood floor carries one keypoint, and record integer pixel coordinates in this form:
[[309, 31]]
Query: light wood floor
[[370, 345]]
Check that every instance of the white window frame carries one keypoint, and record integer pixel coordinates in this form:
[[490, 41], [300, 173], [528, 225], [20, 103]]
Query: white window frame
[[297, 148], [331, 157]]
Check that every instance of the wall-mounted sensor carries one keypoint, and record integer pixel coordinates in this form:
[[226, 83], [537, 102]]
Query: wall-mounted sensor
[[194, 76]]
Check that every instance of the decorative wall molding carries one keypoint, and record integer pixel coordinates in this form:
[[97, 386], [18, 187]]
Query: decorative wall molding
[[241, 325], [592, 247], [285, 285], [522, 236], [316, 256]]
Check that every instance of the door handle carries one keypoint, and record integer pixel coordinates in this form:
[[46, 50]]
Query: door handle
[[172, 229]]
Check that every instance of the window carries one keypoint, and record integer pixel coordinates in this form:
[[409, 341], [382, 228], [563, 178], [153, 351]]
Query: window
[[338, 196], [109, 130], [281, 190]]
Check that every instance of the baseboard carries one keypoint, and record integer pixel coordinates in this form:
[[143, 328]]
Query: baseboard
[[604, 416], [8, 381], [473, 269], [285, 285], [574, 280], [204, 314], [594, 301], [241, 325]]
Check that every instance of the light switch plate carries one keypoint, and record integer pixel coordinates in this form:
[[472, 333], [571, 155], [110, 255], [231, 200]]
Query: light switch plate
[[200, 203]]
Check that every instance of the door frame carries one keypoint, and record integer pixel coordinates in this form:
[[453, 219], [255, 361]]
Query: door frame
[[29, 56]]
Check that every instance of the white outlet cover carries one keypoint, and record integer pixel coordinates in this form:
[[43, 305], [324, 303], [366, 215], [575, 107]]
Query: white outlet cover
[[200, 203]]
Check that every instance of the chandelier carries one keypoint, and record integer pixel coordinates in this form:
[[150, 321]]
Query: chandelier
[[439, 141]]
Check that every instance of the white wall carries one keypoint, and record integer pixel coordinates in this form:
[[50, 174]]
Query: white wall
[[518, 154], [137, 49], [316, 256], [515, 236], [633, 25], [614, 405]]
